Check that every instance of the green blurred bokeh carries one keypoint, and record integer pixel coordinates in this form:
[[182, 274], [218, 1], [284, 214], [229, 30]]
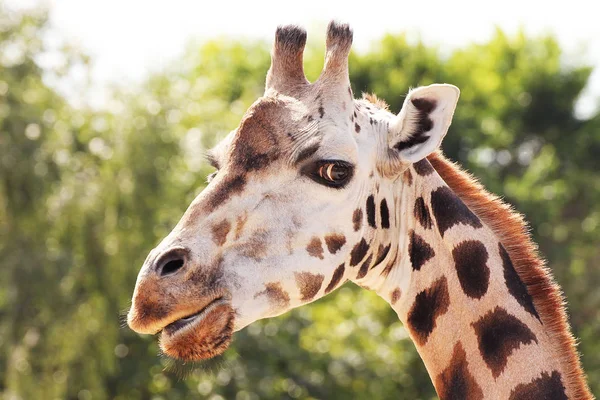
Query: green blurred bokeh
[[85, 194]]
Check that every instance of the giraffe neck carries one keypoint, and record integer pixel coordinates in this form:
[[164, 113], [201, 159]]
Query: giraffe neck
[[456, 291]]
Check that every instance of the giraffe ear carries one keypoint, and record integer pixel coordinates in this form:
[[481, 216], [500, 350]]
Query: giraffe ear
[[423, 121]]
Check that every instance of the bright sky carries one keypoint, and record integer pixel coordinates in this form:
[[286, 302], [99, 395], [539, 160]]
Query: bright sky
[[127, 39]]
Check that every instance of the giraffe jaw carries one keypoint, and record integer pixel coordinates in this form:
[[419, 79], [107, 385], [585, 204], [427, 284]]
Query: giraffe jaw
[[202, 335]]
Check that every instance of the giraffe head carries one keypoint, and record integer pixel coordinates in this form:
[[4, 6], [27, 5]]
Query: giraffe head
[[290, 213]]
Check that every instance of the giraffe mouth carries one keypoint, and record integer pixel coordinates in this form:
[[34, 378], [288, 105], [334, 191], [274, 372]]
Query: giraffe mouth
[[196, 317], [201, 335]]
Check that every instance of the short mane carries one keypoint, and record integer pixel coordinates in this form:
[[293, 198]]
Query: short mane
[[513, 232]]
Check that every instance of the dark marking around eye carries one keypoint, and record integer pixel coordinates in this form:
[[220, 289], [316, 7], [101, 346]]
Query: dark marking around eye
[[364, 268], [515, 285], [315, 248], [470, 258], [498, 334], [423, 167], [226, 188], [385, 214], [449, 210], [371, 211], [429, 304], [547, 386], [419, 251], [334, 242], [357, 219], [422, 213], [309, 284], [335, 279], [309, 118], [307, 152], [358, 252], [456, 381]]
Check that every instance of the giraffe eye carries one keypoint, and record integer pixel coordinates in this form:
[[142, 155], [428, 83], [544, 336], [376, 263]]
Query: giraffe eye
[[333, 173], [211, 176]]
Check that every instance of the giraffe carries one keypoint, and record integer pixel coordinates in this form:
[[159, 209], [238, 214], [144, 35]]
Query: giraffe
[[315, 188]]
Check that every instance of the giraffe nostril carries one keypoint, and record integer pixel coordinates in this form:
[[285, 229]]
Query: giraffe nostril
[[171, 262]]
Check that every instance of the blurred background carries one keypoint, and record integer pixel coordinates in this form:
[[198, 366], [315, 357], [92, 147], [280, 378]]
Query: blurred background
[[106, 109]]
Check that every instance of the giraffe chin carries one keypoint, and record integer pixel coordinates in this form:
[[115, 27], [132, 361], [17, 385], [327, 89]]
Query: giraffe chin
[[201, 336]]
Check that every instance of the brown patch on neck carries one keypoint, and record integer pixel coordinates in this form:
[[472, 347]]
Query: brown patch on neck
[[315, 248], [510, 227], [395, 295], [277, 296], [456, 381], [309, 284], [334, 242]]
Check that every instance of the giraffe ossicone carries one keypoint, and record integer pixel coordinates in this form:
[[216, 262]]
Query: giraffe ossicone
[[315, 188]]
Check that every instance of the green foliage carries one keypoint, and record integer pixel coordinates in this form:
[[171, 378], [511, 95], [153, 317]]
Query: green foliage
[[85, 194]]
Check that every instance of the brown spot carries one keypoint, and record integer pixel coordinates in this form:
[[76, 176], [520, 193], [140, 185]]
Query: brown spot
[[256, 245], [321, 111], [407, 177], [371, 211], [229, 186], [547, 386], [499, 334], [256, 144], [450, 210], [315, 248], [419, 251], [357, 127], [421, 212], [241, 222], [384, 213], [456, 381], [335, 279], [428, 306], [276, 295], [220, 232], [395, 295], [470, 258], [309, 284], [515, 285], [358, 252], [423, 167], [364, 268], [334, 242], [389, 266], [382, 254]]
